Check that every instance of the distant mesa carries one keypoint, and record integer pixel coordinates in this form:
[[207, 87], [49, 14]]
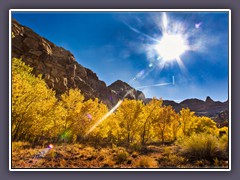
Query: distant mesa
[[61, 72]]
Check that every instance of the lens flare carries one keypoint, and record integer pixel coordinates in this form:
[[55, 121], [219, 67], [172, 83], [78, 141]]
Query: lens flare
[[174, 39], [198, 25], [164, 23], [89, 116], [153, 85], [140, 74], [170, 46], [50, 146], [104, 117], [44, 152]]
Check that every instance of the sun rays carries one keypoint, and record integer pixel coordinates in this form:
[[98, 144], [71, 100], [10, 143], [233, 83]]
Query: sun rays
[[167, 48]]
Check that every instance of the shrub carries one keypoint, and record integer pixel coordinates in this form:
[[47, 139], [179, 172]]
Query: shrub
[[203, 146], [20, 145], [167, 151], [136, 147], [135, 154], [172, 161], [121, 156], [223, 135], [146, 162], [176, 160], [108, 162]]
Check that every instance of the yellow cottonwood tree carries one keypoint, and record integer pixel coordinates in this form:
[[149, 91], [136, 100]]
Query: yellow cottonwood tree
[[91, 112], [175, 126], [72, 103], [202, 125], [37, 115], [32, 103], [149, 115], [128, 118], [162, 124], [185, 118]]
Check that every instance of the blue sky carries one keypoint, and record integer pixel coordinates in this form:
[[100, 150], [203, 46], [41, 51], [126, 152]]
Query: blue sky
[[125, 46]]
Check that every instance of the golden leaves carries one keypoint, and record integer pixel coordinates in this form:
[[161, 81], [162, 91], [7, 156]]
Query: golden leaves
[[37, 115]]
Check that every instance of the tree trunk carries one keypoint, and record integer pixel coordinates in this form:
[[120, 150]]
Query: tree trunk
[[162, 136]]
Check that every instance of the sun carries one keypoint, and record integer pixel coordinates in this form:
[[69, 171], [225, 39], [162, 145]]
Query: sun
[[170, 47]]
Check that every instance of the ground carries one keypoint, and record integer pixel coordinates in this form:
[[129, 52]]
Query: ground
[[87, 156]]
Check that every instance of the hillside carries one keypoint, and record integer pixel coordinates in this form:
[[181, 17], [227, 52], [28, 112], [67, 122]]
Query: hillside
[[58, 66]]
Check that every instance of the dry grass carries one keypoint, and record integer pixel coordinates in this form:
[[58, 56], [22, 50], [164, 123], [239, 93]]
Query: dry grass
[[203, 146], [83, 156], [121, 156], [146, 162]]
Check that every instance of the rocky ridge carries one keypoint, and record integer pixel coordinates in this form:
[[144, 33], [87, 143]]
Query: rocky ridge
[[208, 107], [59, 68]]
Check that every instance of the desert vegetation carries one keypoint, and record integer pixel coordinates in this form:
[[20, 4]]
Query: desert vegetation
[[136, 135]]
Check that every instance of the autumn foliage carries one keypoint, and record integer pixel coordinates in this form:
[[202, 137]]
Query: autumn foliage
[[38, 117]]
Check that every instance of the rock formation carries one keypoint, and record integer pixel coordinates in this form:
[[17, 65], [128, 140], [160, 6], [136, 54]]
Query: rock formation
[[208, 107], [59, 67], [122, 89]]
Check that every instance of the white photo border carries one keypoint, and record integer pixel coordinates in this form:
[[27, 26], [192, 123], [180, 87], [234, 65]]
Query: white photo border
[[118, 10]]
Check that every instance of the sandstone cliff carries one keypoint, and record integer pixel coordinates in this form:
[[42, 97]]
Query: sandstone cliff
[[59, 67]]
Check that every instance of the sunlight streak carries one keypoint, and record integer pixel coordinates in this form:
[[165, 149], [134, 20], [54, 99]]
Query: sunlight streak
[[181, 65], [154, 85], [164, 22], [139, 32], [104, 117], [170, 45], [142, 74]]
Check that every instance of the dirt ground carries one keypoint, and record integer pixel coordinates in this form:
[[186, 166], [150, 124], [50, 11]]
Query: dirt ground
[[83, 156]]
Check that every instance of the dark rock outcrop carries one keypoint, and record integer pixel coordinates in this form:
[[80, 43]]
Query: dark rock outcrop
[[209, 100], [124, 90], [208, 107], [222, 118], [59, 68]]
